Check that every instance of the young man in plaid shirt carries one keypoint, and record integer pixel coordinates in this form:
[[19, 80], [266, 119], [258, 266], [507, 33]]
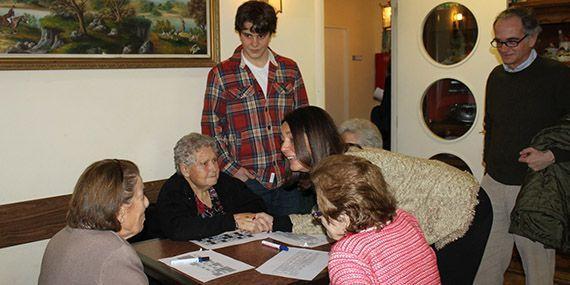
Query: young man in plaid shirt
[[246, 98]]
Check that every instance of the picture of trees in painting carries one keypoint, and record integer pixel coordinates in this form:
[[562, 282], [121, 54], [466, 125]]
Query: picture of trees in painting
[[78, 27]]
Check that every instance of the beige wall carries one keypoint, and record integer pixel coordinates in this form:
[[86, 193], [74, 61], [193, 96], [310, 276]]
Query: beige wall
[[364, 33], [54, 123]]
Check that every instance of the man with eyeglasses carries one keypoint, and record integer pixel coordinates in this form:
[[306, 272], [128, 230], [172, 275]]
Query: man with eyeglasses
[[524, 95], [247, 97]]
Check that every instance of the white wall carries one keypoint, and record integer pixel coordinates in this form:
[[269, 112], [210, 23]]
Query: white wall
[[54, 123], [414, 71]]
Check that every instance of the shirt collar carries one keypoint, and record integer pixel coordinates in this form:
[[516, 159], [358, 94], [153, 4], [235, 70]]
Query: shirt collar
[[271, 58], [523, 65]]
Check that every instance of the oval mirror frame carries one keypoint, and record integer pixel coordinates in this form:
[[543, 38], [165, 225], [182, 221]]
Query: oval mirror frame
[[449, 33]]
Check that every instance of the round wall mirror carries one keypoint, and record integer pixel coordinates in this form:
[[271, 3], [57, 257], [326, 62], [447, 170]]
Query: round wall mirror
[[453, 161], [449, 108], [450, 33]]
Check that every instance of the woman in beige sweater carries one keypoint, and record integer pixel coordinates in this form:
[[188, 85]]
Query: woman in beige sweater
[[444, 199], [107, 207]]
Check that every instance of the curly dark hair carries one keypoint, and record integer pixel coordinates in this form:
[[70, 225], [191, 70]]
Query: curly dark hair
[[260, 14]]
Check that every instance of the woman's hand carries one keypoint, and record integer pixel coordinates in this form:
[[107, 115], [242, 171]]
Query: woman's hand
[[244, 222], [264, 222], [254, 223]]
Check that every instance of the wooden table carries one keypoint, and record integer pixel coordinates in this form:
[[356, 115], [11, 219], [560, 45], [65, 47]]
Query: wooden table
[[252, 253]]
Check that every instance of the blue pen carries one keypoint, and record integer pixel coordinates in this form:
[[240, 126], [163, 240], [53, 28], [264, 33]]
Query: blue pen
[[274, 245], [183, 261]]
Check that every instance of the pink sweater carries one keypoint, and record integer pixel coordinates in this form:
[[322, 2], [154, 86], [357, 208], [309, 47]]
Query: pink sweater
[[397, 254]]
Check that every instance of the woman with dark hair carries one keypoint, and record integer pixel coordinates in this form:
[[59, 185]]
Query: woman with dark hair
[[107, 207], [454, 214]]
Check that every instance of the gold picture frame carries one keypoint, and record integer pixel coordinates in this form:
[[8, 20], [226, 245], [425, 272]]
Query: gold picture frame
[[47, 61]]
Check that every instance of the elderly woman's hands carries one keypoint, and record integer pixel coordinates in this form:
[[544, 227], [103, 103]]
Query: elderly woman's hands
[[254, 223], [264, 221]]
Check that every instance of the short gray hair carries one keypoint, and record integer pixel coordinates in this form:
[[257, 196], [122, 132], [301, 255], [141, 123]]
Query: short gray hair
[[529, 22], [186, 148], [367, 133]]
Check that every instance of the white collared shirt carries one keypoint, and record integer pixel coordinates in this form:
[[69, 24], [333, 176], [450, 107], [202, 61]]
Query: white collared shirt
[[523, 65]]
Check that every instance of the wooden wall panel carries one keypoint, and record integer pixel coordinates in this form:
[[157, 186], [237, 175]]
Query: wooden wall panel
[[40, 219]]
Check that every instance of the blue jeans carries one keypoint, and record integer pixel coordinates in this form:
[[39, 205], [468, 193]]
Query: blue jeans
[[283, 201]]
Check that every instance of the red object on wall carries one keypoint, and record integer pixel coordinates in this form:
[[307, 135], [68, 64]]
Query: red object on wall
[[381, 61]]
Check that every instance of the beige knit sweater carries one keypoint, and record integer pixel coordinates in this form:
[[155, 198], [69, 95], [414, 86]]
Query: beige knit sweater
[[441, 197]]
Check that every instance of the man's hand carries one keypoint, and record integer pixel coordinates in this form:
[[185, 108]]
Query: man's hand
[[535, 159], [244, 174]]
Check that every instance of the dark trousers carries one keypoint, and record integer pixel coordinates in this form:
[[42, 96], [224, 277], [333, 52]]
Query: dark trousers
[[459, 261]]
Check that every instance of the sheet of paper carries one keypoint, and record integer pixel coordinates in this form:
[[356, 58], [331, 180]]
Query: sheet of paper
[[218, 266], [228, 239], [297, 263], [300, 239]]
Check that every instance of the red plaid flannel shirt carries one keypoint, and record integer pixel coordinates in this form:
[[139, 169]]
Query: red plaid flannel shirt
[[245, 123]]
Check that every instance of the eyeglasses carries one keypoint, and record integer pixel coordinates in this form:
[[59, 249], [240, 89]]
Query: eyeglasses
[[317, 214], [509, 43]]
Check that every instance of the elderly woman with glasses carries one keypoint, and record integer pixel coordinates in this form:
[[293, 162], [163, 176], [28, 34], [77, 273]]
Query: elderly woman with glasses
[[200, 201], [107, 207]]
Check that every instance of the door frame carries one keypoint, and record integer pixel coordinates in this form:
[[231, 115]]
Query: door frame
[[345, 72]]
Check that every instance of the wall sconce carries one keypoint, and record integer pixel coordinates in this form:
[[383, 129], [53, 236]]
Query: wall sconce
[[457, 17], [277, 4], [387, 17]]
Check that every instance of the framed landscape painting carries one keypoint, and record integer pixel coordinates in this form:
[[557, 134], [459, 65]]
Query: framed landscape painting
[[83, 34]]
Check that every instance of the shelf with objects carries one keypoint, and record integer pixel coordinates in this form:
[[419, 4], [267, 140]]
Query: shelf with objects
[[554, 18]]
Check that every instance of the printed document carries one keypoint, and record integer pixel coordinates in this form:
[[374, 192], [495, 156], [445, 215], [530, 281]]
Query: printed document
[[228, 239], [297, 263], [218, 266], [303, 240]]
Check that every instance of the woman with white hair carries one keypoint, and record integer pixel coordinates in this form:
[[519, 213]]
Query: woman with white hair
[[200, 201], [360, 132]]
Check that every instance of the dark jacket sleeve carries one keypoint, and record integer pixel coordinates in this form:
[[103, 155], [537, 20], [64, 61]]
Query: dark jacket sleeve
[[236, 197], [563, 101], [179, 217], [282, 223], [560, 155], [240, 199]]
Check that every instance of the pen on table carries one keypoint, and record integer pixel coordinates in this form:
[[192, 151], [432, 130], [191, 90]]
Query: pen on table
[[184, 261], [274, 245]]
